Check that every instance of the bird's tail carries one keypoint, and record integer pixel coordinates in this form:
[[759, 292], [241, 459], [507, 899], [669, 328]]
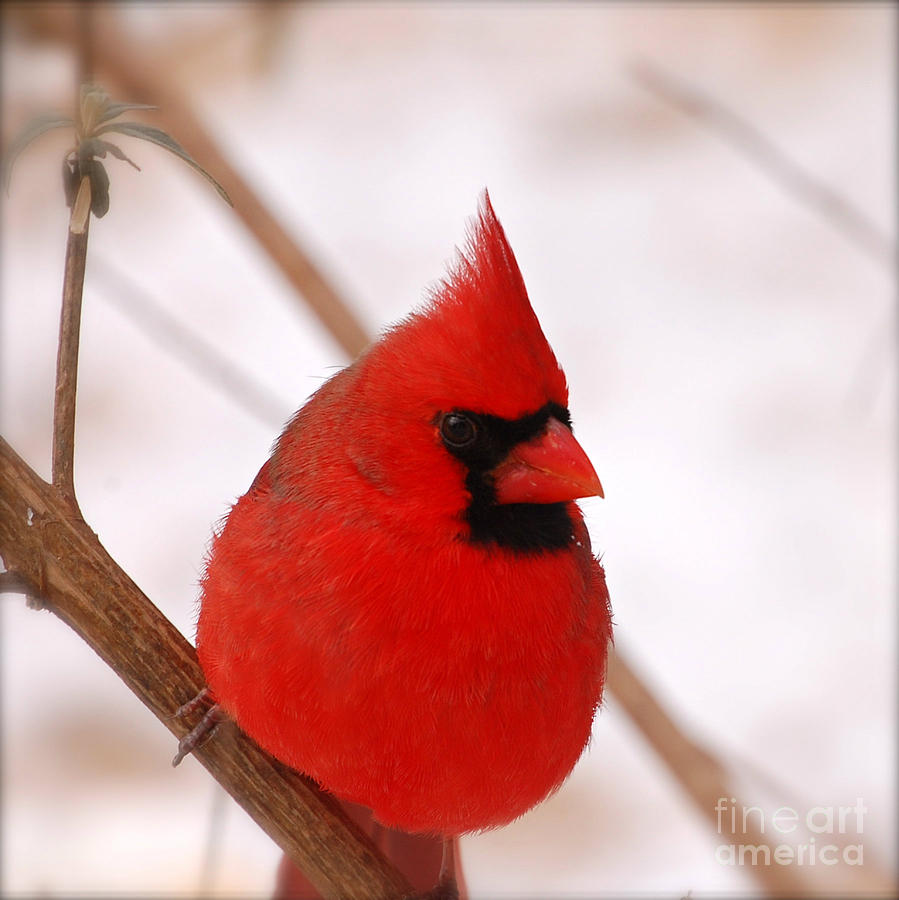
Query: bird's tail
[[417, 856]]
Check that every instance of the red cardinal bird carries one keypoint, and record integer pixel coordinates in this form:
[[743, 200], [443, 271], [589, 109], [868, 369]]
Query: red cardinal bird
[[405, 605]]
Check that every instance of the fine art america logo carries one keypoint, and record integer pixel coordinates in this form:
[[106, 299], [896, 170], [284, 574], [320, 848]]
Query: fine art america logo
[[820, 835]]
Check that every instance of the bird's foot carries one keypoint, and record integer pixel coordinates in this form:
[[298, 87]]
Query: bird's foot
[[203, 730], [192, 705]]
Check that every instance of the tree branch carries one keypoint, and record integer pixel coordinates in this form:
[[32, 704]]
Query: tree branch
[[67, 359], [63, 456], [44, 541]]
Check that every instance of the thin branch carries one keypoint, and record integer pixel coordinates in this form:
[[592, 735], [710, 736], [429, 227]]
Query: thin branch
[[42, 542], [67, 357], [837, 209], [63, 459]]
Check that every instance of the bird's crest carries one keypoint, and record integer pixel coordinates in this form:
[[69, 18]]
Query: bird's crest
[[476, 343]]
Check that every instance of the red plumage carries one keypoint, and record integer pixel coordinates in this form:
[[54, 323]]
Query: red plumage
[[355, 624]]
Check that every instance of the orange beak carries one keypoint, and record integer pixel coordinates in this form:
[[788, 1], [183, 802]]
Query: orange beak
[[551, 468]]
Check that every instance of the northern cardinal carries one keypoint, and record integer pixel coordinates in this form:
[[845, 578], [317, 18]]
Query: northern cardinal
[[405, 605]]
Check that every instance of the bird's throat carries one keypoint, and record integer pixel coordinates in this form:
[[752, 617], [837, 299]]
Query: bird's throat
[[520, 527]]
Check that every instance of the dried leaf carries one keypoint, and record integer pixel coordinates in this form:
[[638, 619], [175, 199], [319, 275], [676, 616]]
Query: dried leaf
[[158, 136], [32, 130], [99, 189]]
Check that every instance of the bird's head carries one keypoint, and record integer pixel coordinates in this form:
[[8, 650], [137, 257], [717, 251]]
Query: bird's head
[[464, 408]]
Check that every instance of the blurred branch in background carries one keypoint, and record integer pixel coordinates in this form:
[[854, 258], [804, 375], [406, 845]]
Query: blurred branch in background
[[189, 346], [707, 781], [847, 218], [849, 221]]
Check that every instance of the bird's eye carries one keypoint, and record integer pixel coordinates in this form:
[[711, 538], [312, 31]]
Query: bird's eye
[[457, 430]]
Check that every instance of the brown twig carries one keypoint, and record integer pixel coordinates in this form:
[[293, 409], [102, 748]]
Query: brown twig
[[837, 209], [67, 359], [63, 458], [42, 542]]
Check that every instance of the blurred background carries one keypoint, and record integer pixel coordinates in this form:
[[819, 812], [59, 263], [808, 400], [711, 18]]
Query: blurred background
[[728, 331]]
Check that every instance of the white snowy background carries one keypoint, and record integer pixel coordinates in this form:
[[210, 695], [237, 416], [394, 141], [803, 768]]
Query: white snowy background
[[731, 355]]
